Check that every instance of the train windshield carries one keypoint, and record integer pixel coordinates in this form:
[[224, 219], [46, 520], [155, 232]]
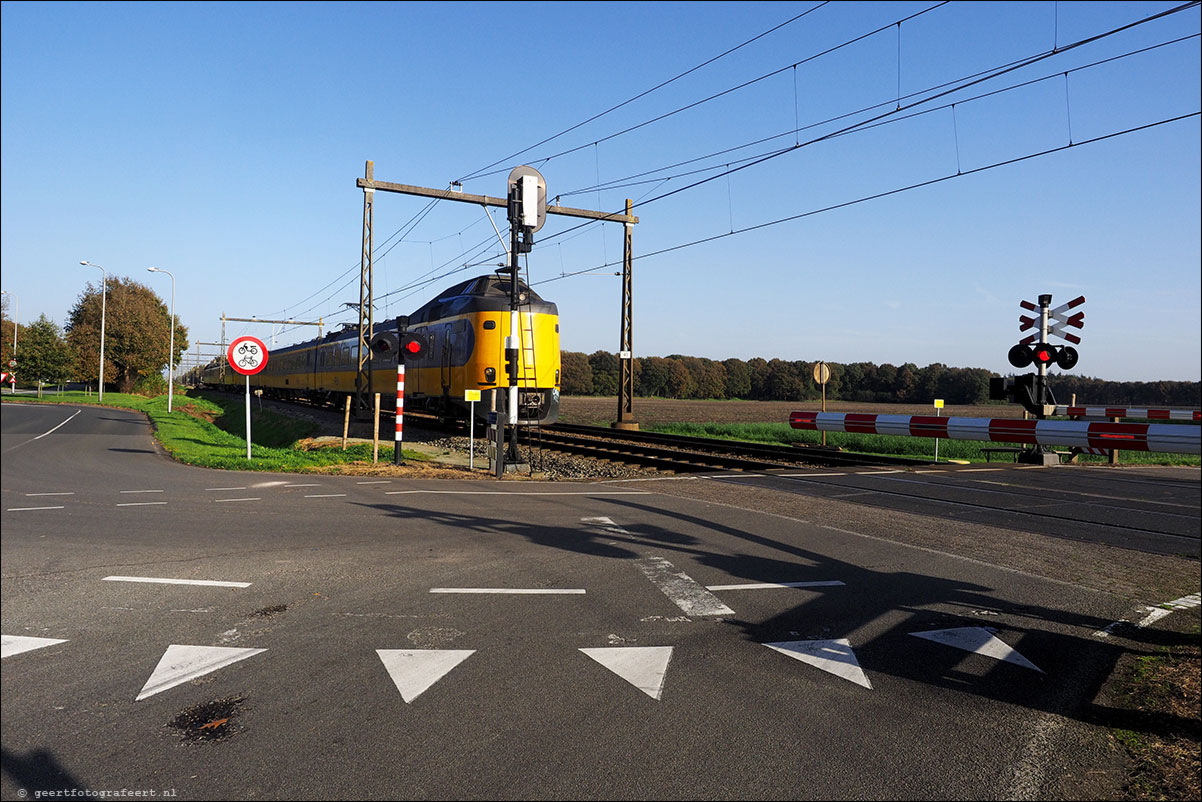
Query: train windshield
[[496, 286]]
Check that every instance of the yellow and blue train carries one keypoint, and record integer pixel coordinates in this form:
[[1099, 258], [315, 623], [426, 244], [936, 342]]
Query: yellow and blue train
[[465, 328]]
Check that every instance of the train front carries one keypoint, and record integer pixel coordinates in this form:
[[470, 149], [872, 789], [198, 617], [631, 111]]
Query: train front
[[538, 351]]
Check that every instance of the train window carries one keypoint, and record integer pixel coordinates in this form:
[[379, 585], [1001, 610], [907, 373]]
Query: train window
[[490, 324]]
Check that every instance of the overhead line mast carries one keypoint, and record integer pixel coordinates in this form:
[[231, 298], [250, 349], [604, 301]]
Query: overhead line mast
[[369, 185]]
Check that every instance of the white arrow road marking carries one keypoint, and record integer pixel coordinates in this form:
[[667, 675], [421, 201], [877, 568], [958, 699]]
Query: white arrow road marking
[[182, 663], [978, 640], [15, 644], [413, 671], [833, 656], [159, 580], [644, 667]]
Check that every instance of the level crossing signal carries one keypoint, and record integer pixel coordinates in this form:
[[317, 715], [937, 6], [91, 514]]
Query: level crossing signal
[[1032, 390]]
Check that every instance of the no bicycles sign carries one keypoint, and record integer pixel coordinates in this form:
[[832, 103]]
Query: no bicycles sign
[[247, 355]]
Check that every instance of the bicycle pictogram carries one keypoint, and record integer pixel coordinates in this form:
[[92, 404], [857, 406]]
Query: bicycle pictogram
[[247, 355]]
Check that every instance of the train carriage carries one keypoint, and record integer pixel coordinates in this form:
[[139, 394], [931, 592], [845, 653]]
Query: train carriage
[[465, 327]]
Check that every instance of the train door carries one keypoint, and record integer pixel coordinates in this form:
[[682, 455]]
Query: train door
[[445, 360]]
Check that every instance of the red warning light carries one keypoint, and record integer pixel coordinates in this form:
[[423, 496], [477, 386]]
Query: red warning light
[[413, 346]]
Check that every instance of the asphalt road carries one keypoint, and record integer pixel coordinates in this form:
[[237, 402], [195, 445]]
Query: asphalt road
[[361, 645]]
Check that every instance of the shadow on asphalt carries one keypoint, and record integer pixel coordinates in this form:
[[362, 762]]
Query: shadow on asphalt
[[1074, 668]]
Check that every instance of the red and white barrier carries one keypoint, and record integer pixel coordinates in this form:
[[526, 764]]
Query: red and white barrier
[[400, 403], [1082, 434], [1131, 412]]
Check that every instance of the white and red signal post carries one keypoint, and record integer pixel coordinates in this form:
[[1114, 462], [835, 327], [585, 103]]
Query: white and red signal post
[[247, 355]]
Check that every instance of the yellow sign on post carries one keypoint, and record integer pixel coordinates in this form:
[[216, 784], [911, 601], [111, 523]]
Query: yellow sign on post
[[938, 403], [473, 396]]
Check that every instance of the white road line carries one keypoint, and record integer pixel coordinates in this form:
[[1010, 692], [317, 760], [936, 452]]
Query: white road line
[[325, 495], [811, 475], [376, 482], [50, 494], [223, 500], [56, 428], [26, 509], [874, 473], [161, 581], [933, 470], [519, 493], [141, 503], [141, 491], [304, 485], [1152, 614], [514, 591], [685, 592], [207, 489], [766, 585]]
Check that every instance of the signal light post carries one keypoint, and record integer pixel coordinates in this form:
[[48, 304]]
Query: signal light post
[[1032, 390]]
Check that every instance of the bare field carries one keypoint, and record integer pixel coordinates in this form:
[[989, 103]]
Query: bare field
[[600, 410]]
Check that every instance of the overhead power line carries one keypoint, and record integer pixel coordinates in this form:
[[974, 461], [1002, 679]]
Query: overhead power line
[[482, 171]]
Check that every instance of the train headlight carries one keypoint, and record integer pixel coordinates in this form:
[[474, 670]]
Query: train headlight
[[490, 375]]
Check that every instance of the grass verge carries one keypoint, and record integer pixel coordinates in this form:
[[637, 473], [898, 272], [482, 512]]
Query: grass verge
[[918, 447], [210, 432], [1159, 696]]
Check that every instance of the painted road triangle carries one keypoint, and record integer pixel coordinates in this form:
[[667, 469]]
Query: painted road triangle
[[644, 667], [833, 656], [16, 644], [413, 671], [182, 663], [978, 640]]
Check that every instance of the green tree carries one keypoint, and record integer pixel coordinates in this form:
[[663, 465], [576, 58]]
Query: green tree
[[136, 333], [45, 356], [577, 377], [738, 378], [653, 377], [605, 372]]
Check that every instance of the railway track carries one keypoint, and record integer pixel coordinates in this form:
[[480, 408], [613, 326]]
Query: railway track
[[683, 454], [651, 450]]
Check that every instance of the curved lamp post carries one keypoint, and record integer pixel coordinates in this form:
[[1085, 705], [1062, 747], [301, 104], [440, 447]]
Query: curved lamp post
[[103, 293], [171, 347]]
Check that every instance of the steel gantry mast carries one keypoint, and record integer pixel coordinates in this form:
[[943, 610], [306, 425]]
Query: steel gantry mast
[[363, 385], [368, 184]]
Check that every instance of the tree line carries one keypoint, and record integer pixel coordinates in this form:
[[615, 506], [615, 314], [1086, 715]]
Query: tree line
[[136, 338], [679, 376]]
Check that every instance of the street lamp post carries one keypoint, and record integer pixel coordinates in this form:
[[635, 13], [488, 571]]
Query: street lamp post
[[171, 347], [103, 294]]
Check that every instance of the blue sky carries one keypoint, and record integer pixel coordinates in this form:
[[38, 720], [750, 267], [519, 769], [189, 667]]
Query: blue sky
[[222, 142]]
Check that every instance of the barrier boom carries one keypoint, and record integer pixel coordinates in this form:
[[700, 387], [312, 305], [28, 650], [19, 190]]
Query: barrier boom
[[1131, 412], [1082, 434]]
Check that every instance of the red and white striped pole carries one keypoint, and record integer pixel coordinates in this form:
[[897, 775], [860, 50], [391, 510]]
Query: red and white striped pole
[[1083, 434], [397, 459], [1131, 412]]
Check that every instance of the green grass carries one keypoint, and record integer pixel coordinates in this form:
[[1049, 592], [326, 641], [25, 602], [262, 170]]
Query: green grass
[[895, 445], [187, 434]]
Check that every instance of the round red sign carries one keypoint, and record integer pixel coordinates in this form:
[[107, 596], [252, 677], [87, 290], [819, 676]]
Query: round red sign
[[247, 355]]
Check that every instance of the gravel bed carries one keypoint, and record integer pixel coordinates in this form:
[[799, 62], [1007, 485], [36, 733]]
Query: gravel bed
[[547, 465]]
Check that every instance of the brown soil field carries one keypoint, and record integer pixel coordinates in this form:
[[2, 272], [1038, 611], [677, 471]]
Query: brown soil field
[[602, 410]]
